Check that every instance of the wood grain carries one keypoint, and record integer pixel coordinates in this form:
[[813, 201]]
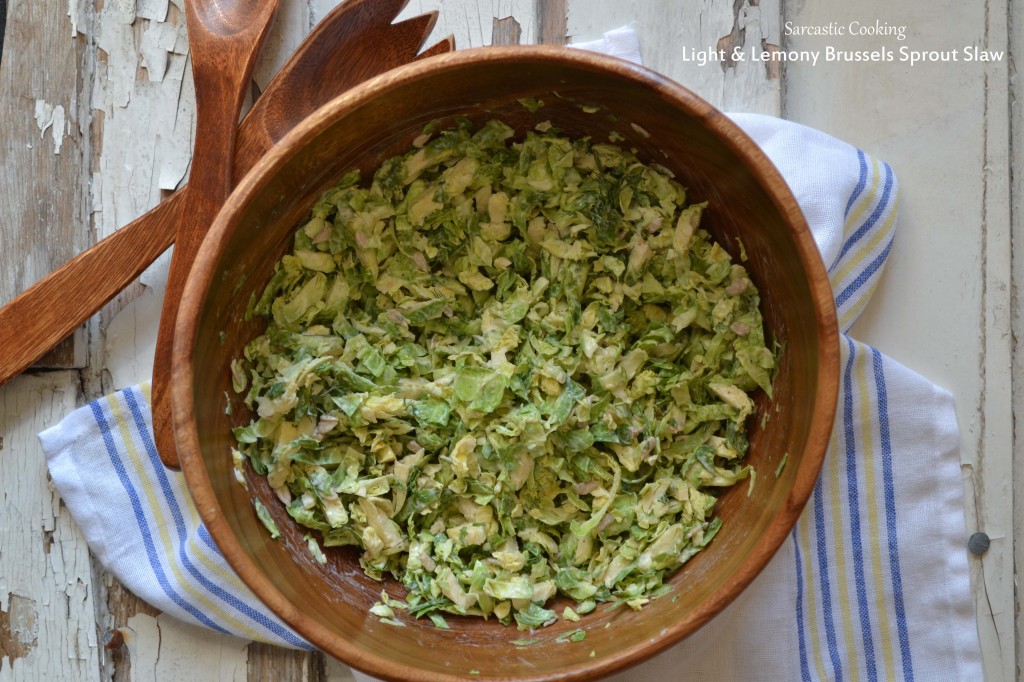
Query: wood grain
[[505, 31], [162, 649], [1016, 113], [42, 196], [225, 41], [273, 664], [552, 16]]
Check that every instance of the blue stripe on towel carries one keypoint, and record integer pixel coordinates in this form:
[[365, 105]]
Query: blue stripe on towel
[[805, 672], [826, 590], [140, 518], [862, 182], [864, 276], [890, 517], [880, 208], [179, 524]]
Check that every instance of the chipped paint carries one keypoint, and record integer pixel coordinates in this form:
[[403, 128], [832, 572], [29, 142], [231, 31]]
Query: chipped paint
[[155, 10], [47, 612], [74, 16], [158, 44], [506, 31], [472, 22], [52, 118], [736, 86], [147, 122], [19, 628], [736, 38], [167, 649]]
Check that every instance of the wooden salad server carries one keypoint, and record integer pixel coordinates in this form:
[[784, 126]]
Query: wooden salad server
[[225, 38]]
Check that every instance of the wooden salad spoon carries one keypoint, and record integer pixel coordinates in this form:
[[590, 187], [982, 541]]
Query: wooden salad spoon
[[352, 43], [225, 37]]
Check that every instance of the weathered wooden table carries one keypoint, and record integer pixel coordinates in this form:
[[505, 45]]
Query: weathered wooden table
[[96, 114]]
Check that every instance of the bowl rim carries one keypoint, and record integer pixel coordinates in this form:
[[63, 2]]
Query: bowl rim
[[201, 276]]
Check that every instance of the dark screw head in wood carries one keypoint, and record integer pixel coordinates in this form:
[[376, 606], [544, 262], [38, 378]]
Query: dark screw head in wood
[[978, 543]]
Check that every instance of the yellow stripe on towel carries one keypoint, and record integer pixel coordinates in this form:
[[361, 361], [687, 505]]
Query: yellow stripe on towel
[[162, 522]]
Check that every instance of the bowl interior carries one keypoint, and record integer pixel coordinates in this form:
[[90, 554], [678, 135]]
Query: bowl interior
[[748, 202]]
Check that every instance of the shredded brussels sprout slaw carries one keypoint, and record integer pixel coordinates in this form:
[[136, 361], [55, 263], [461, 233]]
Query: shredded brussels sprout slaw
[[505, 370]]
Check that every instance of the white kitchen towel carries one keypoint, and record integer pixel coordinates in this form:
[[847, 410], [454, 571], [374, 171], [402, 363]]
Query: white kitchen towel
[[621, 42], [873, 583]]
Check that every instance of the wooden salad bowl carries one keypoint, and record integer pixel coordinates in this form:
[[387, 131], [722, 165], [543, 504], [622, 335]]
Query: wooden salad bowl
[[748, 202]]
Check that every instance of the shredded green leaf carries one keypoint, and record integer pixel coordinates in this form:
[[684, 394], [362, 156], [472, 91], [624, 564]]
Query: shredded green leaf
[[506, 369], [314, 549], [524, 642], [782, 464], [531, 104], [577, 635], [264, 516]]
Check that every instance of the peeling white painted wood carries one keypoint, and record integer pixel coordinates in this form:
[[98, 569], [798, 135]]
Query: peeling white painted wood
[[163, 649], [670, 31], [471, 21], [47, 609], [42, 200], [146, 122], [145, 129], [51, 118], [1017, 310], [943, 306]]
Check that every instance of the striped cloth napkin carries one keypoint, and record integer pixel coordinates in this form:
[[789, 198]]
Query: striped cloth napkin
[[873, 584]]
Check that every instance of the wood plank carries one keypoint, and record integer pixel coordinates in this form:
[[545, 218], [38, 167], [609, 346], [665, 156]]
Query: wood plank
[[1017, 311], [42, 198], [472, 21], [505, 31], [47, 599], [552, 21], [272, 664], [144, 113], [962, 289], [669, 31], [163, 649]]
